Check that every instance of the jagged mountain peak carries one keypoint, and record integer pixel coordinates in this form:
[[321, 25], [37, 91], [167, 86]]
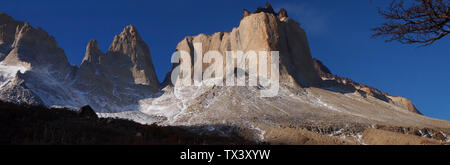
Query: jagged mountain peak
[[129, 34], [92, 44], [33, 47], [127, 58], [93, 53], [130, 30], [130, 44]]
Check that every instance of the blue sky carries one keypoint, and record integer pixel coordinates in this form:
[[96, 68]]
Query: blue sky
[[338, 33]]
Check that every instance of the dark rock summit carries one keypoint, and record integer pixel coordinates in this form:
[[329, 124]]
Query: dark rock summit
[[87, 112], [267, 9], [321, 68], [282, 13]]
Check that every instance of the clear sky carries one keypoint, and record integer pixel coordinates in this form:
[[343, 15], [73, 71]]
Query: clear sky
[[338, 33]]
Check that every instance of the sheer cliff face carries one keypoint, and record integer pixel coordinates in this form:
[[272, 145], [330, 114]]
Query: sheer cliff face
[[265, 31]]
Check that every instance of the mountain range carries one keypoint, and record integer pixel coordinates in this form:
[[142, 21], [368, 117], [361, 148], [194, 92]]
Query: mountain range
[[312, 105]]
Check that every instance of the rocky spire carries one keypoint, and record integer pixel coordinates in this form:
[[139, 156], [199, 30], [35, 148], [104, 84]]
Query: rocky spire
[[246, 13], [130, 45], [282, 13], [269, 6], [93, 54], [267, 9]]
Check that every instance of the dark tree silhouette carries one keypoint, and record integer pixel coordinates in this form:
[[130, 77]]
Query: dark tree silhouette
[[416, 22]]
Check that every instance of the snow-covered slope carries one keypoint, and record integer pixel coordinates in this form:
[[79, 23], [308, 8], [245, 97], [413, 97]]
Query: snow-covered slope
[[7, 73]]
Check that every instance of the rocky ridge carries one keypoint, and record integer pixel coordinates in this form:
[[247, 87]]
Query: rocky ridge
[[332, 81]]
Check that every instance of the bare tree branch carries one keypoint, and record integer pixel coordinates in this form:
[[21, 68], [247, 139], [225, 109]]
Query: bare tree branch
[[421, 22]]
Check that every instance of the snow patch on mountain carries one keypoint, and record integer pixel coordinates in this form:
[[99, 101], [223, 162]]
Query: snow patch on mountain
[[136, 116], [8, 72]]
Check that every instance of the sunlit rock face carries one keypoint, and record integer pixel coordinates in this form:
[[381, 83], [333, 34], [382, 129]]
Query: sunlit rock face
[[128, 57], [264, 32]]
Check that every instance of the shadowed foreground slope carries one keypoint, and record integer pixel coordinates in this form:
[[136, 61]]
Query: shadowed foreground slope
[[24, 124]]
